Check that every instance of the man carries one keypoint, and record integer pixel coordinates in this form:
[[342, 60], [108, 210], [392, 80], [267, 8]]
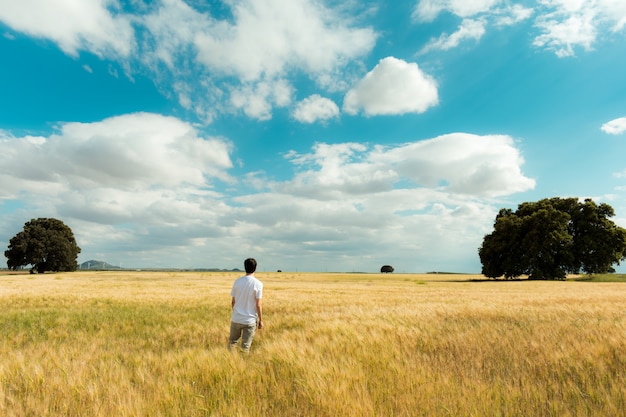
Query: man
[[247, 313]]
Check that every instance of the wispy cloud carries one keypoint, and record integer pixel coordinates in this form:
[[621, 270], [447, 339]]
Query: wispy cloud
[[615, 127], [565, 29], [428, 10], [567, 24], [477, 17], [563, 25], [468, 30]]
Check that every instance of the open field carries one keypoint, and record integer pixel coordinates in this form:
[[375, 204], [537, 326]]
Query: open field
[[154, 344]]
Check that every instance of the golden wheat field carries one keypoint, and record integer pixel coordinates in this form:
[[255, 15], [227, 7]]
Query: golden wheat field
[[154, 344]]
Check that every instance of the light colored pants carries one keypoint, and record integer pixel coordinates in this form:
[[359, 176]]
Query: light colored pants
[[245, 332]]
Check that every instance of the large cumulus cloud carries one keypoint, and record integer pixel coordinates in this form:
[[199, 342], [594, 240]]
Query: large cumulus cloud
[[143, 189]]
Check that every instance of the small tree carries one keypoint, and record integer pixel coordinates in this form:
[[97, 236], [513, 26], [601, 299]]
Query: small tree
[[386, 269], [552, 237], [46, 244]]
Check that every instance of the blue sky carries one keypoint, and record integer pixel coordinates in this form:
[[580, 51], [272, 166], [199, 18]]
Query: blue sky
[[311, 135]]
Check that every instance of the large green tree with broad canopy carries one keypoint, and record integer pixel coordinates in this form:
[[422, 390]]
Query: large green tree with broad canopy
[[46, 244], [552, 237]]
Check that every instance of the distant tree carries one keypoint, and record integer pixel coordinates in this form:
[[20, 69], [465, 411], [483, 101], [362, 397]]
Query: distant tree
[[46, 244], [550, 238], [386, 269]]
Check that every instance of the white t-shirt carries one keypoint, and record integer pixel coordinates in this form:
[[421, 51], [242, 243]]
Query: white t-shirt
[[246, 291]]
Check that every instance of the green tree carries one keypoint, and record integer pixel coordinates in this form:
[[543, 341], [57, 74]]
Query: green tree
[[501, 247], [550, 238], [46, 244]]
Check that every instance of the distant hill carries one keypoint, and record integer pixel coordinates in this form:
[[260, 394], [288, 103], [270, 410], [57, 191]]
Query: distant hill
[[104, 266], [97, 265]]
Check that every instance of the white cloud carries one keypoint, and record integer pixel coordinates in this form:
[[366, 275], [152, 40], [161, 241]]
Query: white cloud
[[408, 204], [511, 15], [476, 17], [138, 191], [336, 171], [458, 163], [268, 36], [258, 99], [412, 201], [212, 64], [394, 86], [172, 26], [468, 30], [615, 127], [267, 39], [410, 229], [87, 25], [614, 11], [428, 10], [462, 163], [562, 34], [137, 187], [314, 108], [568, 24], [134, 153], [563, 25]]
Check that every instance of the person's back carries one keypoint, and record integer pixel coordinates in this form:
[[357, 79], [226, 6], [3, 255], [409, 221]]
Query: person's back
[[246, 290], [247, 313]]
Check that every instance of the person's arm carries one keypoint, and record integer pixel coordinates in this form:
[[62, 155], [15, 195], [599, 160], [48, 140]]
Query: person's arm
[[259, 312], [232, 303]]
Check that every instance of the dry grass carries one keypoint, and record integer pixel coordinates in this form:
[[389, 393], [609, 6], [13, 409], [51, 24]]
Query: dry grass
[[154, 344]]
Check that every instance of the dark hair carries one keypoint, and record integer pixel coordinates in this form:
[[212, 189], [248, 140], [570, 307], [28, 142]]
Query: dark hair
[[250, 265]]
